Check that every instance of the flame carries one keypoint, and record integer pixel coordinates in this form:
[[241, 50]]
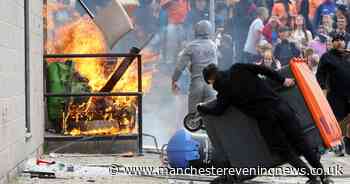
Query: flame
[[100, 131], [83, 37], [79, 35]]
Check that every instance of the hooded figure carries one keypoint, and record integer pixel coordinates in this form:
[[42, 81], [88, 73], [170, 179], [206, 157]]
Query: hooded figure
[[333, 75], [196, 56], [243, 86]]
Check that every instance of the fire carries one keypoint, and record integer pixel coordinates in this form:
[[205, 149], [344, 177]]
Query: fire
[[83, 37], [96, 115], [99, 131]]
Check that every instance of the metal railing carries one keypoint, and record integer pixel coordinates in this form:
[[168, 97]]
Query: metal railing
[[138, 94]]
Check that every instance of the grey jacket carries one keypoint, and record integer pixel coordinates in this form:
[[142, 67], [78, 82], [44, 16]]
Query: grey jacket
[[196, 55]]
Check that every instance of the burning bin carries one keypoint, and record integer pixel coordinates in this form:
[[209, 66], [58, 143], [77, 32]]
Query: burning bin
[[77, 108], [55, 79]]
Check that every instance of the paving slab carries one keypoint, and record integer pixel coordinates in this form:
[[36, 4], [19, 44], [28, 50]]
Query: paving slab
[[153, 160]]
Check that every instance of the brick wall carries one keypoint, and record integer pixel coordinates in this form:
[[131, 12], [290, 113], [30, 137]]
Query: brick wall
[[14, 147]]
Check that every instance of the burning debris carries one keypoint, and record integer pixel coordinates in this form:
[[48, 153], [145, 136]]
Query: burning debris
[[70, 33]]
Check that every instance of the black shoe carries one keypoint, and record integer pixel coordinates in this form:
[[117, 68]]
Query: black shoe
[[314, 181], [347, 145], [327, 180], [339, 151]]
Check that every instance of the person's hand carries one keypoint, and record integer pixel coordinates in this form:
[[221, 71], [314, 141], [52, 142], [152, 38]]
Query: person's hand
[[175, 87], [288, 82], [304, 42], [273, 19], [200, 108], [325, 92]]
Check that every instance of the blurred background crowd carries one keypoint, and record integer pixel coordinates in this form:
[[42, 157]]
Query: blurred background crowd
[[264, 32], [251, 31]]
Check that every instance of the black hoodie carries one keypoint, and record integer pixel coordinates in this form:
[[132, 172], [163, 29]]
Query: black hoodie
[[285, 51], [243, 86], [334, 72]]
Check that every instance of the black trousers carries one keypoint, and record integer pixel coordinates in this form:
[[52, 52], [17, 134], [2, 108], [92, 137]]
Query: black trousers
[[340, 105], [282, 131]]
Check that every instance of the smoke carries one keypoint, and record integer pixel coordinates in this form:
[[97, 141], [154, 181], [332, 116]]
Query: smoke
[[163, 111]]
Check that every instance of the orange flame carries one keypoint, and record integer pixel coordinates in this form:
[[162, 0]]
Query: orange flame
[[80, 35]]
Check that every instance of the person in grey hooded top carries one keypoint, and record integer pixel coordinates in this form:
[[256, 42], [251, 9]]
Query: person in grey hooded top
[[196, 55]]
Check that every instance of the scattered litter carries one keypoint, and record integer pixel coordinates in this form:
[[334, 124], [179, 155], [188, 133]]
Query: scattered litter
[[129, 154], [34, 174], [53, 155], [51, 169], [61, 166], [70, 168], [41, 161]]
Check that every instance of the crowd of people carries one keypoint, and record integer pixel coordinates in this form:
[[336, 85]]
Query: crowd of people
[[317, 31], [290, 29], [262, 36], [267, 32], [262, 32]]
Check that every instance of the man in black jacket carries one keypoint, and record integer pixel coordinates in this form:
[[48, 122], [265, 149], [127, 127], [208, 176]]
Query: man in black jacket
[[243, 87], [285, 50], [333, 74]]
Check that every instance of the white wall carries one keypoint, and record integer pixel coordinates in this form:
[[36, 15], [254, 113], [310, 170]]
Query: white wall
[[14, 147]]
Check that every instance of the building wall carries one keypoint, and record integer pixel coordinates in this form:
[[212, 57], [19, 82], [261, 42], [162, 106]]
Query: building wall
[[15, 144]]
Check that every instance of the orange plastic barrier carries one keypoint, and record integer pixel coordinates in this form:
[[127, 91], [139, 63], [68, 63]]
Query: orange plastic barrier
[[317, 103]]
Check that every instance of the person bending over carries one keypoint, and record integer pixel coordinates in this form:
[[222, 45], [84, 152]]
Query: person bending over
[[243, 87]]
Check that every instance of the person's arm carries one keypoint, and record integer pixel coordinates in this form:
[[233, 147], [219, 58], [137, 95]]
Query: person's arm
[[322, 72], [183, 61], [278, 64], [295, 50], [258, 29], [309, 36], [222, 103], [276, 52], [317, 17], [263, 70], [267, 32], [347, 45]]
